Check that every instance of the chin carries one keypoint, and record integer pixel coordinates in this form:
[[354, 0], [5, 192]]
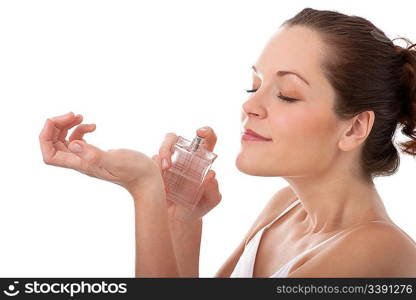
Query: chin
[[251, 166]]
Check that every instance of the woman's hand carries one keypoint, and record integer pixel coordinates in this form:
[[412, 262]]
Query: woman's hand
[[131, 169], [211, 196]]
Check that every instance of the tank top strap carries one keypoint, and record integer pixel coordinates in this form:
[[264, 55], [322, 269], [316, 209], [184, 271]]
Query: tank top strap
[[260, 232], [293, 204]]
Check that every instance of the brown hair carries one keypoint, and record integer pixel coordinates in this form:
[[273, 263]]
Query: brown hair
[[368, 72]]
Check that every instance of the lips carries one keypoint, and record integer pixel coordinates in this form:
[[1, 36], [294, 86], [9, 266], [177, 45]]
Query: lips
[[253, 136]]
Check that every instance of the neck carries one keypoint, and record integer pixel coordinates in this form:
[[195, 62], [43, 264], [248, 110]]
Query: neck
[[332, 203]]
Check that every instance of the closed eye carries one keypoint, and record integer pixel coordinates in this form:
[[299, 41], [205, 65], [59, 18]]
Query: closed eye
[[284, 98]]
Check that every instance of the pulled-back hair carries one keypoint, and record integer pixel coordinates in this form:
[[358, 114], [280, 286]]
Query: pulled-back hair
[[368, 72]]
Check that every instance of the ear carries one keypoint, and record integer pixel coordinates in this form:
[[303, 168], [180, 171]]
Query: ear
[[359, 127]]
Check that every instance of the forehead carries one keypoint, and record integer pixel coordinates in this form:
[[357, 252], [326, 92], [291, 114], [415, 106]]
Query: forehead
[[295, 48]]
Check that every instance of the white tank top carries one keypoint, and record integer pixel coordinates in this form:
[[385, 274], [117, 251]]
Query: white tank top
[[245, 265]]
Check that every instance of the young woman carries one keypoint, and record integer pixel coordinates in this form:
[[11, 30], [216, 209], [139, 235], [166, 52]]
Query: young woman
[[328, 92]]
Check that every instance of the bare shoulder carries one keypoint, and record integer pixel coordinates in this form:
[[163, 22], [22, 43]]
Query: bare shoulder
[[377, 249], [381, 232], [384, 238]]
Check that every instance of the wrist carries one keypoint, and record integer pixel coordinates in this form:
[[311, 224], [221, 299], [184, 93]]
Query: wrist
[[151, 186], [183, 215], [186, 232], [184, 222]]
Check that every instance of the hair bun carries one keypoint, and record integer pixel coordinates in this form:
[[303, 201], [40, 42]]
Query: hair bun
[[408, 78]]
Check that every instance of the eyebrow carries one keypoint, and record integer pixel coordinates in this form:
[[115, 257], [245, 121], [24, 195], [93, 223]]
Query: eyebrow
[[282, 73]]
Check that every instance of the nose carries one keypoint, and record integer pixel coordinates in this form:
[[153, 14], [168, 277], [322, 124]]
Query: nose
[[253, 108]]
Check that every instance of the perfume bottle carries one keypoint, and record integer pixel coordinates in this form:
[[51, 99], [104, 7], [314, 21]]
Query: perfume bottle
[[191, 162]]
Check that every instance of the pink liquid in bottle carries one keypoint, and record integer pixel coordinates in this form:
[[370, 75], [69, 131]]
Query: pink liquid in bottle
[[190, 164]]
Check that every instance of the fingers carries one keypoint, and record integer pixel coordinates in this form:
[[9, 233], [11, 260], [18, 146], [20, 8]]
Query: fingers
[[51, 129], [66, 126], [61, 123], [46, 141], [63, 120], [76, 154], [82, 129], [51, 155], [212, 194], [209, 177], [209, 135], [52, 136], [165, 150]]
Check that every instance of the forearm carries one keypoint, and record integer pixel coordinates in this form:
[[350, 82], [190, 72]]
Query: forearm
[[155, 256], [186, 237]]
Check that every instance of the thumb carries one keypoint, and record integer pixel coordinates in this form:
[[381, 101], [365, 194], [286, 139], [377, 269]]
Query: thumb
[[88, 153]]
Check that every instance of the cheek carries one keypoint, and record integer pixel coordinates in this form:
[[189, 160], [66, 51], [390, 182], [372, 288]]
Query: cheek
[[303, 127]]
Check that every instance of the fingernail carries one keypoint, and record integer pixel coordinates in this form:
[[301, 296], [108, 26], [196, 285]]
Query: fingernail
[[165, 164], [64, 115], [213, 177], [203, 129], [75, 147]]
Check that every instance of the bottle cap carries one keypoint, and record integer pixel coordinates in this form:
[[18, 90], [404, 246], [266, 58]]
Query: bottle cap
[[197, 142]]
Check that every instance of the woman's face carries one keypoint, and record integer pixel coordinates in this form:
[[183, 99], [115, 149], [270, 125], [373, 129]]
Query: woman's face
[[303, 133]]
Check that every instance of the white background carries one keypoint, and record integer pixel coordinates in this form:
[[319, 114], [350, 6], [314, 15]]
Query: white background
[[139, 70]]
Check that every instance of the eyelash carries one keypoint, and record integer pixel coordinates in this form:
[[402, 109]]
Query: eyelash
[[284, 98]]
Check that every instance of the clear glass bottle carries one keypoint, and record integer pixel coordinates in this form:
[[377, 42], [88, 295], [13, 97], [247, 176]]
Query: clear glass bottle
[[191, 162]]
